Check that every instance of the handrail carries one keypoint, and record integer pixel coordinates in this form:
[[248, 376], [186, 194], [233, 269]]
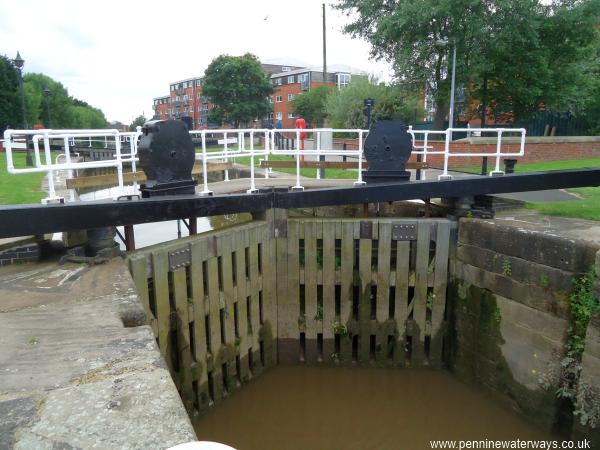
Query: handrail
[[68, 137], [448, 153], [270, 137]]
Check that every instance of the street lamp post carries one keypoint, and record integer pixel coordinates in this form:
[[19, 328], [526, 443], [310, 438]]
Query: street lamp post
[[19, 63], [47, 96], [444, 43]]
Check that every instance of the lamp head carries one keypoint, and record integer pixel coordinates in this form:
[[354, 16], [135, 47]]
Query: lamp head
[[19, 62]]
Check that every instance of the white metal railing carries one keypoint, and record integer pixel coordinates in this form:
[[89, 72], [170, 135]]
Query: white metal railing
[[243, 141], [424, 149], [70, 138], [236, 143]]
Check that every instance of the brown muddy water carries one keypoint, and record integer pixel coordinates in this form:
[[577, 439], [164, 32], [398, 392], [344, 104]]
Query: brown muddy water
[[292, 407]]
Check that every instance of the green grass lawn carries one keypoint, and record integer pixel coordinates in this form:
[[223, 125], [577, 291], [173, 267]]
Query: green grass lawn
[[541, 166], [587, 207], [21, 188]]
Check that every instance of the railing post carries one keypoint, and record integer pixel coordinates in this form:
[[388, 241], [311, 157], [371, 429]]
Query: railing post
[[119, 161], [497, 172], [425, 139], [252, 181], [51, 191], [360, 181], [445, 175], [226, 158], [298, 186], [268, 149], [317, 138], [68, 161], [205, 190]]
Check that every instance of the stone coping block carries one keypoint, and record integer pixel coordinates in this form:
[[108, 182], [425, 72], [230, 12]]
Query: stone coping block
[[565, 244], [78, 369]]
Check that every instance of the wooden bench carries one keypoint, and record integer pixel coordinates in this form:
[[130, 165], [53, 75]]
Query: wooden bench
[[277, 164], [139, 176]]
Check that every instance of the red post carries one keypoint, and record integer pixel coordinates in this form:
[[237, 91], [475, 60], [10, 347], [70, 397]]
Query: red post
[[301, 124]]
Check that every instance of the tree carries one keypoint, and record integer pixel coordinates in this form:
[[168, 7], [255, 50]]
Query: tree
[[10, 97], [547, 61], [137, 122], [311, 105], [514, 54], [345, 108], [238, 89], [54, 110], [88, 117], [406, 33]]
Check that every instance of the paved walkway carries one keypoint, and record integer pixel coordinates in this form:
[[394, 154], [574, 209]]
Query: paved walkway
[[78, 368], [279, 179]]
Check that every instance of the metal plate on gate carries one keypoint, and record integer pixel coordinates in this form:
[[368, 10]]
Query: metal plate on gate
[[179, 258], [366, 230], [404, 232]]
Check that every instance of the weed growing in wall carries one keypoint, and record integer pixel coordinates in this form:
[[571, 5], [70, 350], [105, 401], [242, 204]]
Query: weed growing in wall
[[497, 315], [585, 398], [319, 314], [430, 298], [506, 267], [339, 328]]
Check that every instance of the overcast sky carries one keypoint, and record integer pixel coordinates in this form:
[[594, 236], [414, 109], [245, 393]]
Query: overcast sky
[[118, 55]]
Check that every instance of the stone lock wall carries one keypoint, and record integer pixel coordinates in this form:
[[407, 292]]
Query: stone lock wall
[[511, 287], [589, 386]]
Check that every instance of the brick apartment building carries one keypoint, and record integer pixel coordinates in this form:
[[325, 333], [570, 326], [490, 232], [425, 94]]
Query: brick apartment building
[[185, 98]]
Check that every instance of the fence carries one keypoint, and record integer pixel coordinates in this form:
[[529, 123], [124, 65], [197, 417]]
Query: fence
[[244, 146], [70, 137]]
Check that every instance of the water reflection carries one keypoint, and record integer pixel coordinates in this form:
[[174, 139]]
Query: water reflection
[[147, 234]]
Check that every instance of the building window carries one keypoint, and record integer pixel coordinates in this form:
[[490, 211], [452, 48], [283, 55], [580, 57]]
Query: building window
[[270, 116], [199, 83], [290, 97], [291, 79], [290, 115], [270, 99], [343, 79], [304, 81], [277, 81], [278, 99], [172, 88], [279, 115], [285, 68]]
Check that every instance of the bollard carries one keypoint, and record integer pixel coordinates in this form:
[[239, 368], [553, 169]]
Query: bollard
[[509, 165]]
